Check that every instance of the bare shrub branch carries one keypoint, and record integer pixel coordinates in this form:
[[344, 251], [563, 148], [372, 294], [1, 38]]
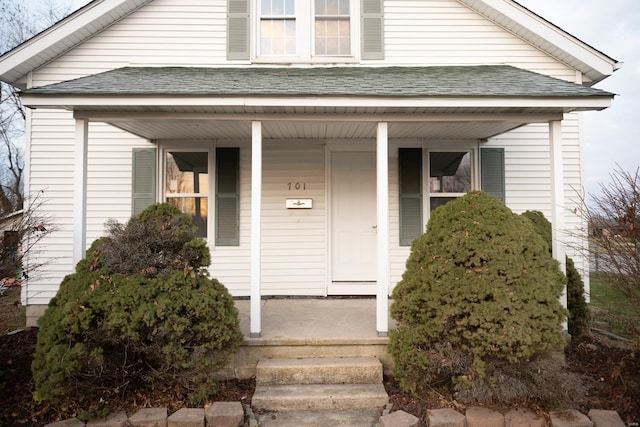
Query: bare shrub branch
[[614, 232]]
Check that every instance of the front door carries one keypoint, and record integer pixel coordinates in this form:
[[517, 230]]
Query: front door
[[353, 218]]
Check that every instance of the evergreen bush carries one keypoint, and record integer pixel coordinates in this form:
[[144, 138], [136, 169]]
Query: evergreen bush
[[579, 322], [480, 289], [140, 308]]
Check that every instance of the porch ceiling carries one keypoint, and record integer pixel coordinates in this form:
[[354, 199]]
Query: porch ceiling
[[276, 130], [210, 122]]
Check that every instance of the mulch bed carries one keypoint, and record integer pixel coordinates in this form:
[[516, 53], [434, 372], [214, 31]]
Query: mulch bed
[[610, 370]]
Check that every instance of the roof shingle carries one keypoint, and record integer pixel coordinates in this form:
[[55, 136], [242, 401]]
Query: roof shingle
[[439, 81]]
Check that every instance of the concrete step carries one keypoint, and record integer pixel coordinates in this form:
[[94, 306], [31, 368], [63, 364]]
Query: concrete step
[[350, 418], [317, 397], [338, 370]]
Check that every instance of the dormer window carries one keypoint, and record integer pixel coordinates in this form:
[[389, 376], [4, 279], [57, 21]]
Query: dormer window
[[332, 27], [304, 30], [277, 27]]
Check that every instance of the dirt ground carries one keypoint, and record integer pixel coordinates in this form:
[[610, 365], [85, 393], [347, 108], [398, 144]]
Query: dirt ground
[[610, 369]]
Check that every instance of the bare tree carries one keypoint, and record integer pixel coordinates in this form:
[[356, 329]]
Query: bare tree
[[23, 223], [614, 229], [23, 230], [17, 24]]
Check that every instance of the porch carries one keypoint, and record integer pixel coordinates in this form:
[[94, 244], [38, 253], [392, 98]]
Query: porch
[[310, 327], [335, 108]]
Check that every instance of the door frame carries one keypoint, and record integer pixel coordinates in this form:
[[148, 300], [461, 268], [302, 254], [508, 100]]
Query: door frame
[[342, 288]]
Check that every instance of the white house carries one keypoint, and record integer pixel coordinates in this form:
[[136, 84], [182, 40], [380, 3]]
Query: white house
[[308, 139]]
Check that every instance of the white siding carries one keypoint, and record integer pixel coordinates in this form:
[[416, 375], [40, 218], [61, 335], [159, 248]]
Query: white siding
[[51, 166], [164, 32], [193, 33], [109, 177], [294, 244], [528, 176], [444, 32]]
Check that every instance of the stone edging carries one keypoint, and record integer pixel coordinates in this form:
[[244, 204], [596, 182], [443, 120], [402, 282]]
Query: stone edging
[[232, 414]]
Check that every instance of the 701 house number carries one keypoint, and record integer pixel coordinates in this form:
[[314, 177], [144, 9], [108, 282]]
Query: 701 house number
[[297, 185]]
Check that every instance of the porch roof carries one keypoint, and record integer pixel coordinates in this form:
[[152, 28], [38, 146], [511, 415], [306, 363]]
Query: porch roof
[[445, 102], [484, 81]]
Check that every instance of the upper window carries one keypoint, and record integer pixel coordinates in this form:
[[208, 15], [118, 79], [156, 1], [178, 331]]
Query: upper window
[[332, 27], [277, 27], [304, 28]]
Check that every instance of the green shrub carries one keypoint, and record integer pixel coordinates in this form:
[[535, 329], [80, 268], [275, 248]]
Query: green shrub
[[120, 325], [480, 288], [579, 321]]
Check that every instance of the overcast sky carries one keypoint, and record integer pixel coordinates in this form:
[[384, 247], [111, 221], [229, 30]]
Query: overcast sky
[[613, 27]]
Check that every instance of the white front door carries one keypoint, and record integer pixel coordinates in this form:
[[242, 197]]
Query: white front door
[[353, 217]]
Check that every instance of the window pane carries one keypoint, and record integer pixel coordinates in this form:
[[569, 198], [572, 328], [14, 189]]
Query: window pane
[[332, 27], [278, 37], [196, 208], [345, 46], [277, 7], [436, 202], [450, 172], [290, 7], [332, 36], [332, 7], [265, 7], [186, 172], [344, 7]]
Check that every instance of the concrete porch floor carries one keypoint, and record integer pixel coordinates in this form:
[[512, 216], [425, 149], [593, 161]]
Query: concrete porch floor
[[314, 319]]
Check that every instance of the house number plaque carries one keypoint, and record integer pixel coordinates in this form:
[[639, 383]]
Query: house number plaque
[[299, 203], [297, 185]]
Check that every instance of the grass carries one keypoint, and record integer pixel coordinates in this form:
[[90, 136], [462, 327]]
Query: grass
[[611, 310]]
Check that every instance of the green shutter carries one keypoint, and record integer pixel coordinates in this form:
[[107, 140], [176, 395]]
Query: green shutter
[[227, 197], [237, 29], [143, 179], [410, 183], [372, 29], [492, 172]]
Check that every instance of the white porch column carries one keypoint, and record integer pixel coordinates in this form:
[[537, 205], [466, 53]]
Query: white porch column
[[256, 207], [558, 236], [80, 191], [382, 207]]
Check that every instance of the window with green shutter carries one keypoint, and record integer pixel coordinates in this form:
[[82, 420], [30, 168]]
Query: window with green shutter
[[410, 182], [278, 26], [227, 196]]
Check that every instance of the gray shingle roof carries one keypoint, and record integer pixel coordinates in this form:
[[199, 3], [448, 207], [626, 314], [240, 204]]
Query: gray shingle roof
[[444, 81]]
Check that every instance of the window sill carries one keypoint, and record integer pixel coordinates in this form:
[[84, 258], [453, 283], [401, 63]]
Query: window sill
[[321, 60]]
